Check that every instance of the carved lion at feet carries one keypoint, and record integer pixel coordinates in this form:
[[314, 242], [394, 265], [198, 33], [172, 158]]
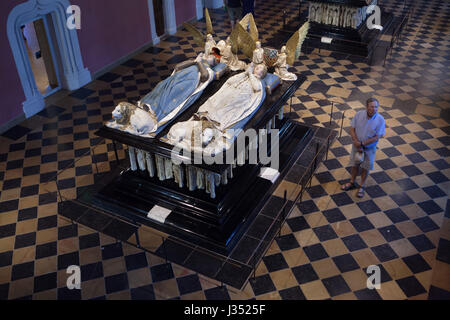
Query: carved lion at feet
[[130, 117]]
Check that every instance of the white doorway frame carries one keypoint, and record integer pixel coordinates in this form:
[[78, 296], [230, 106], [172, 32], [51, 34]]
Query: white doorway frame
[[73, 74]]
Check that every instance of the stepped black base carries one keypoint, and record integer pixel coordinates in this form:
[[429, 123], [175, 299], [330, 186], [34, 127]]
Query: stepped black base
[[215, 224], [360, 42]]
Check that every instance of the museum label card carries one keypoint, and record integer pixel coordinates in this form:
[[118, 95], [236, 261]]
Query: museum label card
[[269, 174], [159, 214], [326, 40]]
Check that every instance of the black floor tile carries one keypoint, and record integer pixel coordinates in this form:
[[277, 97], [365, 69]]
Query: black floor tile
[[434, 192], [336, 285], [317, 191], [6, 258], [416, 263], [136, 261], [45, 282], [390, 233], [345, 263], [275, 262], [307, 206], [297, 224], [46, 250], [367, 294], [421, 243], [426, 224], [396, 215], [368, 207], [51, 111], [380, 177], [354, 242], [47, 222], [206, 264], [143, 293], [68, 259], [7, 230], [22, 271], [443, 252], [294, 293], [334, 215], [29, 191], [116, 283], [67, 294], [68, 231], [89, 241], [91, 271], [217, 293], [162, 272], [434, 293], [437, 177], [384, 252], [401, 199], [375, 191], [430, 207], [411, 286], [111, 251], [287, 242], [189, 284], [25, 240], [362, 224], [341, 199], [325, 233], [262, 284], [4, 289], [315, 252]]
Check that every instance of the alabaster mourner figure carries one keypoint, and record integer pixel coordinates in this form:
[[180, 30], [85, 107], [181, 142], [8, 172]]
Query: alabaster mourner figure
[[258, 54], [209, 45], [229, 108], [170, 97], [281, 67], [228, 57]]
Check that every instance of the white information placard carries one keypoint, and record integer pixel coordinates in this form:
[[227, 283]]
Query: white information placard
[[269, 174], [159, 214], [326, 40]]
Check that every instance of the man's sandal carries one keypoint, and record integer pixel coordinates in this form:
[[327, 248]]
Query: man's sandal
[[348, 186], [360, 193]]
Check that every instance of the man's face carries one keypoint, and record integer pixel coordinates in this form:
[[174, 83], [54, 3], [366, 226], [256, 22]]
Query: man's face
[[372, 108]]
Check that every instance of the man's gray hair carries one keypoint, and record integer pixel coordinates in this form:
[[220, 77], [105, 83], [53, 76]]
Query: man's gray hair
[[370, 100]]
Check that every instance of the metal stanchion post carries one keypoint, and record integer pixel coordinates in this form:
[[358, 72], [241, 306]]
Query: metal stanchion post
[[342, 123]]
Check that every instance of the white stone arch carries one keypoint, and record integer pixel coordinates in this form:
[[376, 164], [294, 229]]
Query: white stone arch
[[73, 74]]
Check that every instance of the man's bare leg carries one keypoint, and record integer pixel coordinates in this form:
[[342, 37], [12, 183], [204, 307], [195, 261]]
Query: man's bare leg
[[364, 174], [354, 173]]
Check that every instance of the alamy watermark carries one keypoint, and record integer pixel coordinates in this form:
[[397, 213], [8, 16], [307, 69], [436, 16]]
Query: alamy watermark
[[74, 280], [256, 151], [74, 18], [373, 282], [373, 17]]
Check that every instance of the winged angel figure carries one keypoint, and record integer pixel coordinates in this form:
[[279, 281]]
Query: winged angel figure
[[223, 51]]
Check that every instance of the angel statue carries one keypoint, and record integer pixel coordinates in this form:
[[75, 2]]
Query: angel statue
[[258, 54], [251, 47], [209, 45], [281, 67], [228, 57]]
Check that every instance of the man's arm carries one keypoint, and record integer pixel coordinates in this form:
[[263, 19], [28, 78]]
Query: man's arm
[[356, 142], [370, 140]]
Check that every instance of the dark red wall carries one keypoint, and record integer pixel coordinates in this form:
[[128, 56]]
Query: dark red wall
[[184, 10]]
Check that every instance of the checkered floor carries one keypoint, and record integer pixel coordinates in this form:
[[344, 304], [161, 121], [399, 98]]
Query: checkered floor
[[331, 237]]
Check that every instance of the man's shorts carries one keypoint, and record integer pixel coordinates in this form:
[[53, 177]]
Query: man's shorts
[[234, 13], [369, 158]]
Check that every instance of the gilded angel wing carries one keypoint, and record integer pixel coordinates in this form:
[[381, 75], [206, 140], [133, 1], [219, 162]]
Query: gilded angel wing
[[294, 44], [234, 37], [199, 38], [209, 27], [247, 21], [246, 43]]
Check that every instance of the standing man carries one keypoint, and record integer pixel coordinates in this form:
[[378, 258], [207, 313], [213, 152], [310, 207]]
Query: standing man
[[234, 9], [367, 127]]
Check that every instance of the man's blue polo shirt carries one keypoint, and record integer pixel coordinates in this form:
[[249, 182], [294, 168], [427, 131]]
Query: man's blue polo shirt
[[366, 127]]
